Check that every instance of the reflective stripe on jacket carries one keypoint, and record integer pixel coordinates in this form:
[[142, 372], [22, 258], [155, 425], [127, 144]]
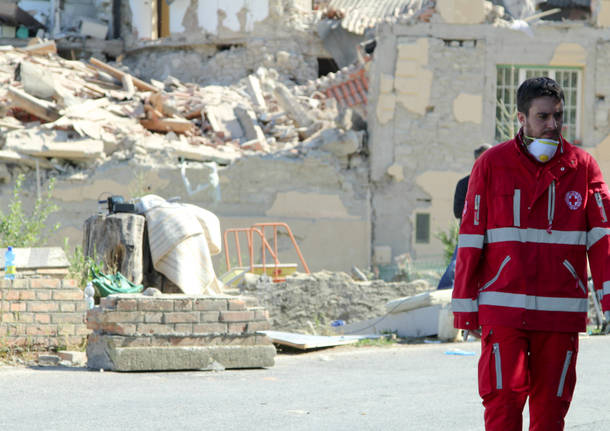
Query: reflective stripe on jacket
[[527, 229]]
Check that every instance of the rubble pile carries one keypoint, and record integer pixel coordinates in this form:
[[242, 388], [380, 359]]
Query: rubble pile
[[306, 302], [60, 114]]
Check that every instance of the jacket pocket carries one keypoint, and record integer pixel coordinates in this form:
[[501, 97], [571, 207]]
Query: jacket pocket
[[504, 206], [490, 365], [495, 278], [567, 377], [570, 268]]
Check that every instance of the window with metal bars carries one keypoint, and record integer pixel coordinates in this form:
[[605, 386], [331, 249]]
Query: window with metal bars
[[509, 77]]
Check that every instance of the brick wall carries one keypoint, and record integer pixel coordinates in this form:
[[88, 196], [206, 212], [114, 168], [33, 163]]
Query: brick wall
[[42, 312], [175, 314], [136, 332]]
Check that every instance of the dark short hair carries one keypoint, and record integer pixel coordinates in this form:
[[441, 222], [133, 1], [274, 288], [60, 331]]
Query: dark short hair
[[480, 150], [533, 88]]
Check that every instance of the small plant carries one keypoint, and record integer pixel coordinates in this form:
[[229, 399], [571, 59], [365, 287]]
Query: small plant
[[19, 229], [449, 240], [386, 340], [507, 125], [80, 265]]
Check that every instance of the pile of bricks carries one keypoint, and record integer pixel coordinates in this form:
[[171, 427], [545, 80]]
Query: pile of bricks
[[136, 332], [42, 312]]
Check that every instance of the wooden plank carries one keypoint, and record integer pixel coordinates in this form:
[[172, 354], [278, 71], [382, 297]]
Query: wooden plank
[[305, 342], [39, 108], [176, 125], [118, 74], [42, 48]]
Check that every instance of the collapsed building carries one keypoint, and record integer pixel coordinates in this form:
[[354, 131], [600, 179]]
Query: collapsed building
[[350, 123]]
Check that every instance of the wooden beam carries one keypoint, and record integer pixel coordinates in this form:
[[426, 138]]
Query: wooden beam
[[39, 108], [118, 74], [42, 48], [175, 125]]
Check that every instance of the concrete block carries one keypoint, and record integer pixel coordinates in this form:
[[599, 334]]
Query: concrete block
[[102, 354], [252, 130], [292, 106], [38, 257], [254, 89], [74, 357]]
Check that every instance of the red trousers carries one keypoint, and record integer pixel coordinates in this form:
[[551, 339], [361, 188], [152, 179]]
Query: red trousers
[[517, 364]]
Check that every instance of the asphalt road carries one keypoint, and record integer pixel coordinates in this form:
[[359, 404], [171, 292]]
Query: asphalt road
[[405, 387]]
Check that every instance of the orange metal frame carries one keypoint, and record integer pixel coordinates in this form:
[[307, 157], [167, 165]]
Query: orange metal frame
[[259, 229]]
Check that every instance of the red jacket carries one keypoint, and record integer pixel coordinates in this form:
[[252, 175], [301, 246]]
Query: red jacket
[[526, 231]]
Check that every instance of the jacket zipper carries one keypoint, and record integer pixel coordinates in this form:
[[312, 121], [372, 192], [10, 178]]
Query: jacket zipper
[[568, 265], [477, 207], [498, 364], [551, 209], [564, 372], [517, 208], [600, 204], [493, 280]]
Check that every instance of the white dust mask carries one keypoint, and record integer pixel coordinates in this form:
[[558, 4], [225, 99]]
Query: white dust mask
[[543, 149]]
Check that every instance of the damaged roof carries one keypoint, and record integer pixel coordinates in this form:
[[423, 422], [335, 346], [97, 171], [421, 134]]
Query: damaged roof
[[358, 15]]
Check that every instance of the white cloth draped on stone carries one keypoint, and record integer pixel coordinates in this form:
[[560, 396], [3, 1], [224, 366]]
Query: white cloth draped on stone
[[183, 238]]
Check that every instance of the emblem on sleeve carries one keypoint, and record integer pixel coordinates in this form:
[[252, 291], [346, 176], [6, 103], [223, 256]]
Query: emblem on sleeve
[[465, 208], [574, 200]]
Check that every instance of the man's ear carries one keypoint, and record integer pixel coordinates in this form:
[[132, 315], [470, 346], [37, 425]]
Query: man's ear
[[521, 117]]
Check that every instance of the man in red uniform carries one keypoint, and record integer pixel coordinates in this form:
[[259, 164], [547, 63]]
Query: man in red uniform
[[536, 208]]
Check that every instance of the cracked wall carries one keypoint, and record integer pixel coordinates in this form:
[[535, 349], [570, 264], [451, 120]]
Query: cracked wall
[[325, 204], [433, 91]]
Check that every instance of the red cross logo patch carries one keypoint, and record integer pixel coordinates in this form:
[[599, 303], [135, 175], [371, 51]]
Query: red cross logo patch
[[574, 200]]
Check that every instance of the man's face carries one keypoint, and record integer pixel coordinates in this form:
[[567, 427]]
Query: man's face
[[544, 119]]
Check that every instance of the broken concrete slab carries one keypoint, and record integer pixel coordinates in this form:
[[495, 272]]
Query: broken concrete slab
[[203, 153], [38, 257], [83, 149], [307, 342], [209, 358], [247, 119], [292, 106], [222, 119], [36, 81], [254, 89], [13, 157]]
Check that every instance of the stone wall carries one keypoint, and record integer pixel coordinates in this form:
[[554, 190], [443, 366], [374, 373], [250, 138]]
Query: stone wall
[[45, 312], [137, 332]]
